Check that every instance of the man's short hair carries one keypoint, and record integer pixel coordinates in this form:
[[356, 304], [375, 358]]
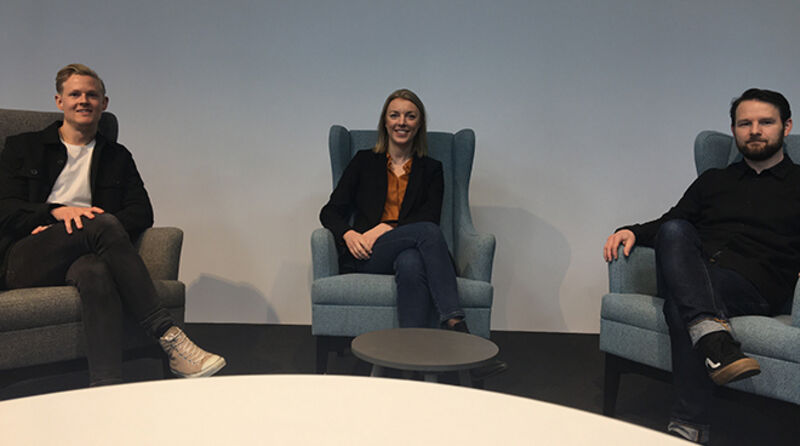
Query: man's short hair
[[768, 96], [79, 69]]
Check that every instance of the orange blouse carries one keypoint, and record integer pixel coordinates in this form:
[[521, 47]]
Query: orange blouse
[[396, 190]]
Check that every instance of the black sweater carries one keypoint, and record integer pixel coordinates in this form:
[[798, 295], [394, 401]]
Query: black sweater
[[748, 222]]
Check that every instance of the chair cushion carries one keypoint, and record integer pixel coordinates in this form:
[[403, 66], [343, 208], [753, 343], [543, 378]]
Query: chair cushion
[[41, 307], [768, 336], [380, 290], [772, 337]]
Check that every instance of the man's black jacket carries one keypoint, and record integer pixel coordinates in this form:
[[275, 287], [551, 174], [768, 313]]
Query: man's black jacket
[[30, 165]]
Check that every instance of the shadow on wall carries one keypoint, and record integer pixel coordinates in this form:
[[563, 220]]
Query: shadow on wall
[[530, 263], [227, 301]]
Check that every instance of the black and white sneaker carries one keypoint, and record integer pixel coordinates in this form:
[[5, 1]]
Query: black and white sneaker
[[724, 360]]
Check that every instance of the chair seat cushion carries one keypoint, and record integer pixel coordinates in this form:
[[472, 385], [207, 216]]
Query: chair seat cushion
[[768, 336], [772, 337], [380, 290], [41, 307]]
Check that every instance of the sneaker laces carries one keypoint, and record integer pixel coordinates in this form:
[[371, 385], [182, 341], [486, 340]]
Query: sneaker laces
[[187, 349]]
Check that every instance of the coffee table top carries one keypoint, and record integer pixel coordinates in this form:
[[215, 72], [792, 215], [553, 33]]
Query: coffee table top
[[303, 410], [423, 349]]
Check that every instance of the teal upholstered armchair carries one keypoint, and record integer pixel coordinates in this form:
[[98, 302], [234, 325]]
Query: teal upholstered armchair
[[633, 332], [347, 305]]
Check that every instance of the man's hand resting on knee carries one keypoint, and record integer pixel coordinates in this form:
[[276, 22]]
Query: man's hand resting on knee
[[624, 236], [70, 215]]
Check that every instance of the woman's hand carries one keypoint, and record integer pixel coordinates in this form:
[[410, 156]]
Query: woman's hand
[[374, 233], [357, 244], [360, 245]]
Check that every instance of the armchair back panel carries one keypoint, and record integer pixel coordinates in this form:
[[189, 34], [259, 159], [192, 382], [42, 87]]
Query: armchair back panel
[[13, 122], [715, 150]]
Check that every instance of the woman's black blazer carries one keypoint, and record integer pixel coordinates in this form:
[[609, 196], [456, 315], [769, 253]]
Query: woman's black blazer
[[361, 194]]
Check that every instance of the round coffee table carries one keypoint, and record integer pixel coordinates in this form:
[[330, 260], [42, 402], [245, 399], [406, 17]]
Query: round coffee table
[[425, 350]]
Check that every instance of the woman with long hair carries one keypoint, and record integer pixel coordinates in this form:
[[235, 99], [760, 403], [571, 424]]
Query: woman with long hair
[[393, 193]]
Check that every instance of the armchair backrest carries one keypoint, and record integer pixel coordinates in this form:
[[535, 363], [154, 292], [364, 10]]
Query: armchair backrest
[[455, 150], [717, 150], [14, 122]]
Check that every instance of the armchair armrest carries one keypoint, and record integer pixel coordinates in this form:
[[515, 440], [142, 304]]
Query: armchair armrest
[[475, 255], [324, 257], [635, 273], [160, 248]]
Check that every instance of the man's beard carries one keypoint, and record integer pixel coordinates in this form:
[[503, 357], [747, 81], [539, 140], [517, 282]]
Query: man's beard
[[760, 155]]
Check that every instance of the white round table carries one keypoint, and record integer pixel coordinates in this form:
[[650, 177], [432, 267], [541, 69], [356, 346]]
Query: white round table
[[304, 409]]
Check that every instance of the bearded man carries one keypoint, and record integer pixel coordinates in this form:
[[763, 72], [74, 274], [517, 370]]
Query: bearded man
[[730, 247]]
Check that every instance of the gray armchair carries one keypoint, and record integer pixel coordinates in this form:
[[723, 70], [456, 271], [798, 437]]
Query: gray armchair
[[634, 334], [41, 327], [347, 305]]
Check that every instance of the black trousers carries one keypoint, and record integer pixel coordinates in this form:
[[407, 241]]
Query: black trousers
[[100, 261]]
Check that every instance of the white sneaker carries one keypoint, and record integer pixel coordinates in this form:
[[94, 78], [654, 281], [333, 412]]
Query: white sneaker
[[186, 359]]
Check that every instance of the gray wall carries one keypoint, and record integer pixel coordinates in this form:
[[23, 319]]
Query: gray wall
[[585, 113]]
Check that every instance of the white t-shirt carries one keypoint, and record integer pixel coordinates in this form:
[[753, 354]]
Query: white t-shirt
[[72, 187]]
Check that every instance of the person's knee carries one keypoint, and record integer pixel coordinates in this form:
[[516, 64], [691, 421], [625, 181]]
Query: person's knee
[[429, 231], [672, 230], [107, 221], [105, 224]]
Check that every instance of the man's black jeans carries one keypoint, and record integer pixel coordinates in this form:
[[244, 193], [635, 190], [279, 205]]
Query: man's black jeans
[[695, 289], [100, 261]]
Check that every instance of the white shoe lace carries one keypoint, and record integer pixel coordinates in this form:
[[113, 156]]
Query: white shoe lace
[[187, 349]]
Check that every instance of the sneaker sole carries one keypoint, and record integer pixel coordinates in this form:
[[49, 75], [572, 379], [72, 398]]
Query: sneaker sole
[[208, 371], [741, 369]]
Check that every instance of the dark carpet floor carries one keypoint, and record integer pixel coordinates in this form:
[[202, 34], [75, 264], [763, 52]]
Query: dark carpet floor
[[565, 369]]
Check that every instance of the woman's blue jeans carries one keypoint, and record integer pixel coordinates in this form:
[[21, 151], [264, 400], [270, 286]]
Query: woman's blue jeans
[[417, 255], [696, 289]]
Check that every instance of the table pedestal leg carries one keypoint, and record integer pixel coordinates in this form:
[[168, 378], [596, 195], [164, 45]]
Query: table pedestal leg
[[376, 370], [465, 378]]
